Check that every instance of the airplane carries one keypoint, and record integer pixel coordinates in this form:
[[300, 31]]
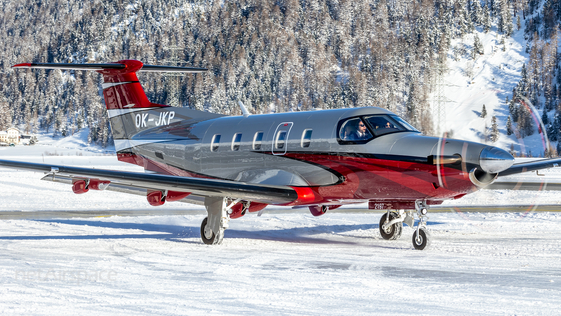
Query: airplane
[[318, 160]]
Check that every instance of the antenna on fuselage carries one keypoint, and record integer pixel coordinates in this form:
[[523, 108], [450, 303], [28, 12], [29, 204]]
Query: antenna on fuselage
[[245, 113]]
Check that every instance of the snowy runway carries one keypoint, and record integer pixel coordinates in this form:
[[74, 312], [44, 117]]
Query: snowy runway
[[281, 264], [284, 262]]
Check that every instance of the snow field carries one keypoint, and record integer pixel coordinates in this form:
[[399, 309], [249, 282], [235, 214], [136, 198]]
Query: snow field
[[285, 262]]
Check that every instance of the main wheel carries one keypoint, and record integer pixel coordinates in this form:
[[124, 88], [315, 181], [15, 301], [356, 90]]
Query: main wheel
[[421, 241], [208, 236], [392, 232]]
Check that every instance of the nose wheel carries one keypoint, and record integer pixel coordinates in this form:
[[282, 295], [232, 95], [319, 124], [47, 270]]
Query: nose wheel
[[421, 238]]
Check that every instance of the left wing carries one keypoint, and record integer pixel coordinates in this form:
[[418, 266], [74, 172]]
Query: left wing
[[269, 194]]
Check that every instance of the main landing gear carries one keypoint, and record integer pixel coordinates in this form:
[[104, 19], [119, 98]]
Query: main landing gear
[[391, 225], [218, 219]]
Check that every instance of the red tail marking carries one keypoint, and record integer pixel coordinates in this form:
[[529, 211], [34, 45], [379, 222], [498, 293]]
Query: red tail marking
[[122, 89], [24, 65]]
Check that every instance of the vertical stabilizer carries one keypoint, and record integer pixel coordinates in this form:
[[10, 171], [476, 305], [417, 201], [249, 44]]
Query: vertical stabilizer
[[121, 88]]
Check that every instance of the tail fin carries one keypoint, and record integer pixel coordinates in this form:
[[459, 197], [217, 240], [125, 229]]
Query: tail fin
[[121, 88], [129, 110]]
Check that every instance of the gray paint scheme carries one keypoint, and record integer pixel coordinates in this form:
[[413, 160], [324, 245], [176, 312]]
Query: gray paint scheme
[[186, 144]]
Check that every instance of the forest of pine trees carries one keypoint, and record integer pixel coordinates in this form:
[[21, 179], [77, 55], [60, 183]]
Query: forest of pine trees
[[283, 55]]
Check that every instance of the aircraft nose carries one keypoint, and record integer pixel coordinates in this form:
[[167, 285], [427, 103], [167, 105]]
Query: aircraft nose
[[495, 160]]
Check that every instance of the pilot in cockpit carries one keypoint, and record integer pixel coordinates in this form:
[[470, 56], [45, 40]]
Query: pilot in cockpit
[[361, 132]]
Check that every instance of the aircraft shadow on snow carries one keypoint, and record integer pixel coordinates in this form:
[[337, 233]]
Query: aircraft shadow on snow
[[179, 233]]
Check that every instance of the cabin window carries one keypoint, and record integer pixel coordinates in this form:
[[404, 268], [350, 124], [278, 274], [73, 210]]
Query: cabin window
[[215, 143], [236, 141], [280, 139], [257, 140], [306, 138]]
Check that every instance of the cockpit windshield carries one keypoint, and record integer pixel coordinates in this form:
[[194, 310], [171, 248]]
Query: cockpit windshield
[[362, 129]]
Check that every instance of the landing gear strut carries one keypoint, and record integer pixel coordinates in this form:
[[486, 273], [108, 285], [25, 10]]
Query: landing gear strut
[[421, 237], [391, 225], [213, 226], [218, 219]]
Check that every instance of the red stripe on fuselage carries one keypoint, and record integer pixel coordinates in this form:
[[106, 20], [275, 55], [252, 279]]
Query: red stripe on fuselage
[[365, 178], [371, 178]]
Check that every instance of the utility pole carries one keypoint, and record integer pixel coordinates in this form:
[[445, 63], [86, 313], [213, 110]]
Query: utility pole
[[440, 99]]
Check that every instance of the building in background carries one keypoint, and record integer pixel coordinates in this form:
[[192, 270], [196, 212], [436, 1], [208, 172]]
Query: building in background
[[13, 136]]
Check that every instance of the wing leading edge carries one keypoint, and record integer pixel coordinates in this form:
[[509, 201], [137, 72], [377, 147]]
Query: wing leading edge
[[531, 166], [268, 194]]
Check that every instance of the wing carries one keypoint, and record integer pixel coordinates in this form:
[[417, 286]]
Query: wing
[[140, 182], [543, 185], [531, 166]]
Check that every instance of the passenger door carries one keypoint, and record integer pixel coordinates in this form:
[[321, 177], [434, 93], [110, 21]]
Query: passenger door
[[280, 138]]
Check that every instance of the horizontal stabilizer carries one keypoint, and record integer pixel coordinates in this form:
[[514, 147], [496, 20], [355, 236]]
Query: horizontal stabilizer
[[116, 66]]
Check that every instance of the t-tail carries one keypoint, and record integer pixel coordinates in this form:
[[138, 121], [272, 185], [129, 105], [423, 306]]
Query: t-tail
[[121, 88], [129, 110]]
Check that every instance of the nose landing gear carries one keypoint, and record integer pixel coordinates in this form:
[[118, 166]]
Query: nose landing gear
[[421, 237]]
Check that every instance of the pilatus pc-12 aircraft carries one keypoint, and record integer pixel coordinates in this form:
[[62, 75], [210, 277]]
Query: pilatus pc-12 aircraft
[[238, 164]]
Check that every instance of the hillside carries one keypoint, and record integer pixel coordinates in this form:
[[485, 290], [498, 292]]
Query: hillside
[[293, 55]]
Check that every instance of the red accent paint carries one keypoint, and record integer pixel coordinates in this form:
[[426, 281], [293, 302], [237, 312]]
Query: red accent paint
[[394, 184], [128, 95], [237, 211], [24, 65], [306, 196], [256, 207], [316, 210], [173, 196], [384, 180], [95, 183], [155, 198], [130, 158], [79, 186]]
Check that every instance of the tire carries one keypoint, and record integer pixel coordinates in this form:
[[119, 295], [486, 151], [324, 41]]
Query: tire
[[424, 239], [214, 239], [393, 232]]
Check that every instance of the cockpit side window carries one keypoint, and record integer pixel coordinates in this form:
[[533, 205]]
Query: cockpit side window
[[354, 130], [359, 130], [386, 124]]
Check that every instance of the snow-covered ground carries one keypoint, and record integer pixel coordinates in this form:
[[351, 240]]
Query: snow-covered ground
[[284, 262]]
